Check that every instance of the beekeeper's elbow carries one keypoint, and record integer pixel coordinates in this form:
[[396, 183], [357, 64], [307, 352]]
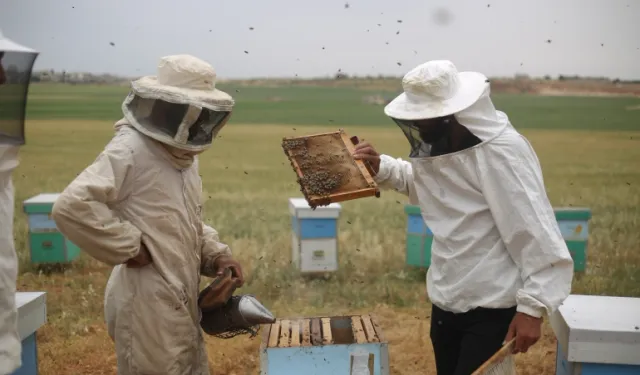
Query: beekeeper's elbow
[[61, 212]]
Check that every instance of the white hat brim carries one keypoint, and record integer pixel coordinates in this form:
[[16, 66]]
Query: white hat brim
[[8, 45], [216, 100], [472, 86]]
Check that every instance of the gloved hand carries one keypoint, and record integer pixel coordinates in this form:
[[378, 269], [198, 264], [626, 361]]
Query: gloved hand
[[223, 262], [142, 259], [218, 293]]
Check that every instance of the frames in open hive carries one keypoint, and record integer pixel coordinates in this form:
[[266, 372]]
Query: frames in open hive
[[326, 169], [324, 345]]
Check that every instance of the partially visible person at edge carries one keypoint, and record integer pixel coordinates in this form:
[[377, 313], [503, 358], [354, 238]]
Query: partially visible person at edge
[[12, 112], [499, 262], [138, 208]]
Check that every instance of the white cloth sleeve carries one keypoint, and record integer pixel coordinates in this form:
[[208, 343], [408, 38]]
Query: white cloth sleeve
[[396, 174]]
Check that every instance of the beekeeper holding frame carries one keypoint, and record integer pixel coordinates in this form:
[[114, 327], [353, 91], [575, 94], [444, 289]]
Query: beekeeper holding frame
[[498, 260]]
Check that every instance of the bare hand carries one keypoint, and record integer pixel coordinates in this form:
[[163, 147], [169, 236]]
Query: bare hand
[[365, 151], [142, 259], [526, 330], [223, 262]]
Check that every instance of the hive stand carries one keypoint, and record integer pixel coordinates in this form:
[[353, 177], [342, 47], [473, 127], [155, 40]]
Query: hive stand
[[324, 345], [597, 335], [32, 314], [46, 243], [314, 237], [572, 221]]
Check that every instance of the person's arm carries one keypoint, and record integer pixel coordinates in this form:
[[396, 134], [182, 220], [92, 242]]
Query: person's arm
[[390, 173], [513, 186], [212, 249], [396, 174], [82, 210]]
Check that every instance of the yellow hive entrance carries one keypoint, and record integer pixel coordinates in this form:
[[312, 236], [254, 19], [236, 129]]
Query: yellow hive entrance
[[357, 329]]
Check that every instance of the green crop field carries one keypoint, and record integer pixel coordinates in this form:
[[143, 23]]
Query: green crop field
[[308, 105], [247, 181]]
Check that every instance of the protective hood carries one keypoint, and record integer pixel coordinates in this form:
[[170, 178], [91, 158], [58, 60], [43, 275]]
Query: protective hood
[[181, 106], [481, 119], [16, 63]]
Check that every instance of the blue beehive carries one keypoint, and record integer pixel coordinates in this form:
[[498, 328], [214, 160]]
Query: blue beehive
[[32, 314], [419, 238], [597, 335], [314, 236], [324, 345]]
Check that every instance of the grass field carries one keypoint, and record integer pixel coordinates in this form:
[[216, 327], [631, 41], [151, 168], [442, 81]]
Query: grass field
[[68, 126]]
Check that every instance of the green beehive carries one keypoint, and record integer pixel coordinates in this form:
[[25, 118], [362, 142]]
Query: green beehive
[[572, 221], [46, 243], [419, 238], [574, 226]]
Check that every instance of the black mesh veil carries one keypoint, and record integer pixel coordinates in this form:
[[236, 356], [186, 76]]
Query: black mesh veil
[[418, 147], [15, 76]]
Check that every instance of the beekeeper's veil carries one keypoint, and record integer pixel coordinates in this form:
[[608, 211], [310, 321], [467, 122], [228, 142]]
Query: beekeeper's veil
[[436, 89], [181, 106], [16, 62]]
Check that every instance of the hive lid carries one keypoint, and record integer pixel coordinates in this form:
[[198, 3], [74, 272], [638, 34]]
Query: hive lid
[[46, 198], [572, 213], [300, 207], [412, 210], [599, 329], [32, 312]]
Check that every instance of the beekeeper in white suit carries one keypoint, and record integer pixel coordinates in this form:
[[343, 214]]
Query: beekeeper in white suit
[[13, 96], [138, 208], [498, 262]]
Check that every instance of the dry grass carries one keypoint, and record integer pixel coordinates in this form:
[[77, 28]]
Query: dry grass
[[598, 170]]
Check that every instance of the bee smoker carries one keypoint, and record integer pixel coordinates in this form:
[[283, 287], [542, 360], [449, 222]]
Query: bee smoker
[[224, 315]]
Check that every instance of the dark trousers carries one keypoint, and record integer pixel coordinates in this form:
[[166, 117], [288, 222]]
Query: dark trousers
[[463, 342]]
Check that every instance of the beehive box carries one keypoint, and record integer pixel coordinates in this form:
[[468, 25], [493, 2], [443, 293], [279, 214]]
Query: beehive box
[[32, 314], [314, 237], [326, 170], [574, 226], [324, 345], [46, 243], [597, 335], [419, 238]]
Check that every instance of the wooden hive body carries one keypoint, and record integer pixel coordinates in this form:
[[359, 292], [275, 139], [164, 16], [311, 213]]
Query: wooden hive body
[[323, 345]]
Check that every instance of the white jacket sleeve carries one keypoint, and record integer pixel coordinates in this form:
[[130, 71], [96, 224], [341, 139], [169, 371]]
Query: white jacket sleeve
[[513, 186], [212, 248], [396, 174], [82, 212]]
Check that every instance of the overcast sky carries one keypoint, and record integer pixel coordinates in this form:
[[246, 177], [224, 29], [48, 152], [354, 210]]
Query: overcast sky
[[498, 38]]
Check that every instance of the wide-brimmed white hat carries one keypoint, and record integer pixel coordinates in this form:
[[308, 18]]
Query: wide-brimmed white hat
[[436, 89], [184, 80], [8, 45]]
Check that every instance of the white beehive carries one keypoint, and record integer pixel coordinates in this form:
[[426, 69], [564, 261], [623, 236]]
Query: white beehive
[[597, 335], [314, 236]]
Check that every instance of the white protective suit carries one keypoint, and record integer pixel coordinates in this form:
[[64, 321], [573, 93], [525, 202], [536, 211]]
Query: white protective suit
[[496, 241], [137, 191], [10, 346]]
